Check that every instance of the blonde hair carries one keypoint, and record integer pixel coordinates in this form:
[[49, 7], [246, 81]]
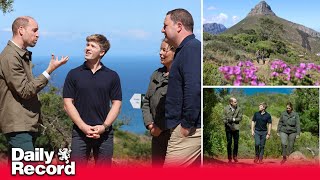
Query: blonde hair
[[101, 40]]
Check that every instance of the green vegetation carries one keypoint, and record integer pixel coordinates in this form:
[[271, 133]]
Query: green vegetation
[[6, 6], [306, 103], [57, 128], [275, 37]]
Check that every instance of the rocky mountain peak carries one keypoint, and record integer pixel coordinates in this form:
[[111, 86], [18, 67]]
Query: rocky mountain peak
[[261, 9]]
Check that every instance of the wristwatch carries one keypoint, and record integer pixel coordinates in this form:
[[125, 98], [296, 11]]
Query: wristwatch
[[106, 127]]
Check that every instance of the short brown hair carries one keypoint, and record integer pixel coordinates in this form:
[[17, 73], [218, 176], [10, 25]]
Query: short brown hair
[[264, 105], [101, 40], [20, 21], [183, 16]]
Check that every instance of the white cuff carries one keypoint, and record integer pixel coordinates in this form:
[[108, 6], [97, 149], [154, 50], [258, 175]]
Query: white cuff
[[46, 75]]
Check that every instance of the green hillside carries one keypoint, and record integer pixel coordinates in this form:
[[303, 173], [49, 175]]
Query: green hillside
[[129, 148], [274, 37], [305, 103]]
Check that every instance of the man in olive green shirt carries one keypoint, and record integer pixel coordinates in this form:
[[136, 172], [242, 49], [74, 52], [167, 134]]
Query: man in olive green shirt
[[19, 103], [232, 115]]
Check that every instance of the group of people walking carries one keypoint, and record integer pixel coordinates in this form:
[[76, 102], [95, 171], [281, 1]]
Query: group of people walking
[[288, 129]]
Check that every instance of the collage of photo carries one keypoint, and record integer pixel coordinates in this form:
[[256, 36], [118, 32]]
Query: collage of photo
[[260, 85], [200, 84]]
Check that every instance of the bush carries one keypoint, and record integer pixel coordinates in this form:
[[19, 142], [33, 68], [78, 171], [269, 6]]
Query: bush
[[211, 74]]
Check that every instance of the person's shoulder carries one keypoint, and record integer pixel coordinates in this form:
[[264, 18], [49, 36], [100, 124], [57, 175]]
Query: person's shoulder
[[295, 113], [111, 72], [268, 114], [160, 70], [194, 43], [75, 71], [8, 53]]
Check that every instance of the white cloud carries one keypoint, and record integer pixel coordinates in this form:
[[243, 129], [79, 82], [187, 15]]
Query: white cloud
[[235, 19], [139, 34], [222, 18], [211, 8], [6, 30]]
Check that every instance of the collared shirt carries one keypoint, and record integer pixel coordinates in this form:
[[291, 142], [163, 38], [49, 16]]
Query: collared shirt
[[19, 104], [261, 121], [183, 101], [232, 109], [92, 92], [29, 54]]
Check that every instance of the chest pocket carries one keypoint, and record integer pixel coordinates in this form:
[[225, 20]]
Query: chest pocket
[[291, 121]]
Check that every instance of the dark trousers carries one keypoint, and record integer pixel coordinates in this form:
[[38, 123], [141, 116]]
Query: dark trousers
[[287, 142], [159, 148], [102, 148], [235, 136], [260, 141], [22, 140]]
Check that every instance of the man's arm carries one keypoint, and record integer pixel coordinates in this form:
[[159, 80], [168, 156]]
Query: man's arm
[[238, 118], [253, 124], [252, 127], [191, 75], [17, 80], [225, 116], [111, 117], [75, 117], [269, 130]]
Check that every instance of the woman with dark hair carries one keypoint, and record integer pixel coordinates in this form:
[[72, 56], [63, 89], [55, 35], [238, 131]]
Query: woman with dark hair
[[288, 130]]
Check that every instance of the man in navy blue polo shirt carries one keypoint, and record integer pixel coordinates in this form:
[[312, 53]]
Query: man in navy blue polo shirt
[[88, 91], [182, 106], [261, 130]]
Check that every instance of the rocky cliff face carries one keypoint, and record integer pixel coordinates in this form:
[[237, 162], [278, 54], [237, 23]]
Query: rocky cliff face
[[261, 9], [214, 28]]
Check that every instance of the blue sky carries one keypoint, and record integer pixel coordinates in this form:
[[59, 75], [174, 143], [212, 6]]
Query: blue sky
[[229, 12], [133, 27]]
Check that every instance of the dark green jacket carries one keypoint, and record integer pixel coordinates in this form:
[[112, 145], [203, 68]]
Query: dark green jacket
[[228, 116], [153, 108], [19, 103], [289, 123]]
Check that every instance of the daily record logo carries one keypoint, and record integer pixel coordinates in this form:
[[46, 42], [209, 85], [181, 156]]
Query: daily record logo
[[21, 162]]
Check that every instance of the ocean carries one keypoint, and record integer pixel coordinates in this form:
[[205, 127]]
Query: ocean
[[134, 72]]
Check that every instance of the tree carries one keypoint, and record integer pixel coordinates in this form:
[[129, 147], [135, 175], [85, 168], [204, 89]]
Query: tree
[[307, 105], [6, 6]]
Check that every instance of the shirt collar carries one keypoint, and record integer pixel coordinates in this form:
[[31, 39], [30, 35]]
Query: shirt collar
[[185, 40], [85, 67], [20, 51], [232, 108]]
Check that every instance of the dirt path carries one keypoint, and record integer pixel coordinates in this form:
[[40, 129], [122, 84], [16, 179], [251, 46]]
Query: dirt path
[[266, 163]]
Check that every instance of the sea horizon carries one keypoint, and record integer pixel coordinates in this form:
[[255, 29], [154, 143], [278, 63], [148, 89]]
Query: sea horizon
[[134, 73]]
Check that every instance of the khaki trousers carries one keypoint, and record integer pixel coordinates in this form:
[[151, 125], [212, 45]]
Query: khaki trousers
[[183, 151]]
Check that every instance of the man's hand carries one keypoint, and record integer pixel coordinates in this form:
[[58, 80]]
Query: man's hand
[[297, 136], [278, 134], [252, 132], [268, 136], [89, 131], [185, 131], [55, 63]]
